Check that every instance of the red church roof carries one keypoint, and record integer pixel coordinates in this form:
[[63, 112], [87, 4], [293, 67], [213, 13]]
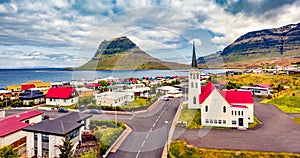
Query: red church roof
[[60, 92], [234, 98], [13, 123], [205, 91]]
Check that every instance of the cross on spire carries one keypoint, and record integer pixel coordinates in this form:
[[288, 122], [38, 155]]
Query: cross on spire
[[194, 60]]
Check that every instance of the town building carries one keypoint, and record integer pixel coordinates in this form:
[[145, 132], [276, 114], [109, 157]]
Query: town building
[[14, 88], [28, 96], [62, 96], [114, 98], [43, 138], [257, 90], [40, 84], [85, 91], [219, 108], [11, 127]]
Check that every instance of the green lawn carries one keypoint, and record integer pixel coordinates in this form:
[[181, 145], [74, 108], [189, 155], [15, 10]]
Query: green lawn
[[255, 123], [192, 117], [106, 137], [297, 120], [180, 149], [288, 102]]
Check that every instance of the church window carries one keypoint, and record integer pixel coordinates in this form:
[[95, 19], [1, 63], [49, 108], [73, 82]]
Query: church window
[[224, 109], [196, 85], [206, 108], [192, 84], [194, 100]]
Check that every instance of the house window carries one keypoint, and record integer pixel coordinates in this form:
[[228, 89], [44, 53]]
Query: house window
[[194, 100], [219, 121], [239, 113], [206, 108], [196, 84], [206, 121], [224, 121], [197, 76], [242, 113], [232, 113], [27, 121], [215, 121], [235, 113], [233, 122], [224, 109], [192, 84], [211, 121], [35, 136], [50, 99], [191, 76], [45, 138]]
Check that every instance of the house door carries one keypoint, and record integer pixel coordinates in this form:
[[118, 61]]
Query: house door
[[241, 121]]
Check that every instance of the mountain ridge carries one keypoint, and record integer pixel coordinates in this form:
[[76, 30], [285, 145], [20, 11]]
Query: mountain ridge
[[262, 46], [122, 54]]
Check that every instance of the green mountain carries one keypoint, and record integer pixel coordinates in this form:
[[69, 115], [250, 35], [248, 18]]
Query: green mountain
[[262, 45], [122, 54]]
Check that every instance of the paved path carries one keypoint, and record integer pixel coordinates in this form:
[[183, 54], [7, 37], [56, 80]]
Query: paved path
[[279, 133]]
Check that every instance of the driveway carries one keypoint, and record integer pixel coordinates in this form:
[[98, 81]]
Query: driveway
[[278, 133]]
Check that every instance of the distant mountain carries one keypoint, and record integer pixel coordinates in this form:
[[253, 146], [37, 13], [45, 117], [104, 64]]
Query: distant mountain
[[122, 54], [261, 46]]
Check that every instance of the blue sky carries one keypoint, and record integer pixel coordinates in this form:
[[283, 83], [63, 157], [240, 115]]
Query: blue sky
[[67, 33]]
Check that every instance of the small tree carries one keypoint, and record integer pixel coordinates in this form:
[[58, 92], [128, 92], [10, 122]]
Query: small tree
[[9, 151], [66, 149]]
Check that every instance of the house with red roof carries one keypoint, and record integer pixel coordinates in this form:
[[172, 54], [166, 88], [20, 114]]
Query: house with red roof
[[222, 108], [227, 108], [11, 127], [62, 96]]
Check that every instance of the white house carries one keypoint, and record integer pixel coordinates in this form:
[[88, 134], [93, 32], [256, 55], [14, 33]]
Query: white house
[[258, 90], [44, 137], [11, 127], [114, 98], [62, 96], [165, 89], [219, 108]]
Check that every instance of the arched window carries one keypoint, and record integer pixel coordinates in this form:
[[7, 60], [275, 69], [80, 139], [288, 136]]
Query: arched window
[[194, 100], [197, 76], [224, 109], [196, 84], [192, 84], [206, 108], [191, 76]]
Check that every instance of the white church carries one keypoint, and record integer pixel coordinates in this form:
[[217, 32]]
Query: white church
[[222, 108]]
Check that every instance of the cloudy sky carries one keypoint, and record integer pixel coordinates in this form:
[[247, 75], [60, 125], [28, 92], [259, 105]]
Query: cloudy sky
[[67, 33]]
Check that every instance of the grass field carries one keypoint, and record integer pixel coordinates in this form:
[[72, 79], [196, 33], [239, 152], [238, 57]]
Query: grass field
[[192, 117], [297, 120], [288, 102], [180, 149]]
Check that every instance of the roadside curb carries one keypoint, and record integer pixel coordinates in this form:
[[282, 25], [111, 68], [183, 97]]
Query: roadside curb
[[119, 141]]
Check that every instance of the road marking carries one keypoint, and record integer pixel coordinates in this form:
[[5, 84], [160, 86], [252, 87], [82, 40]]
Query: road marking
[[132, 116], [137, 155], [147, 136], [154, 124], [156, 120], [143, 143], [150, 130]]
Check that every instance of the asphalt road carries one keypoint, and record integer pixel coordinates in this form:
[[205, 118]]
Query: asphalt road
[[149, 130], [278, 133]]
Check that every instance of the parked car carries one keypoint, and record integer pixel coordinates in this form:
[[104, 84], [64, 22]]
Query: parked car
[[64, 110], [95, 111], [166, 99]]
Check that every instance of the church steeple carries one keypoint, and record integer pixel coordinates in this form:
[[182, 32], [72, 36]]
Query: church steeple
[[194, 60]]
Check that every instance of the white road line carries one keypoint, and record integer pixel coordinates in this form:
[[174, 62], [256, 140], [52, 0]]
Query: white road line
[[137, 155], [156, 120], [154, 125], [132, 116], [143, 143], [151, 130], [147, 136]]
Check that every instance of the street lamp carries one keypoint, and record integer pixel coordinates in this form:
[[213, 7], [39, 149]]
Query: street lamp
[[166, 122]]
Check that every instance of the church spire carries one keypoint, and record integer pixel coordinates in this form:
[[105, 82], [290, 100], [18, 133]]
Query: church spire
[[194, 60]]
